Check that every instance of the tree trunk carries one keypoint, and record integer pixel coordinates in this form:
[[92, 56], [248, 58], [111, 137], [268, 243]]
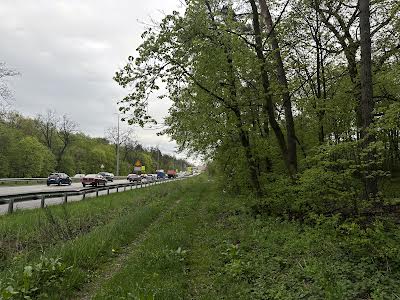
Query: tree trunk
[[321, 82], [266, 89], [367, 102], [234, 106], [253, 168], [322, 111], [282, 79]]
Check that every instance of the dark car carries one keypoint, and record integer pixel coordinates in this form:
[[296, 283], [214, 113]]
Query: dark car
[[160, 174], [94, 180], [108, 176], [134, 178], [59, 179]]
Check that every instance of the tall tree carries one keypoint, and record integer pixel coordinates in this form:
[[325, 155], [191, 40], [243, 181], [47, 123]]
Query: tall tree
[[340, 18], [283, 82], [264, 76], [66, 129], [367, 101], [47, 125]]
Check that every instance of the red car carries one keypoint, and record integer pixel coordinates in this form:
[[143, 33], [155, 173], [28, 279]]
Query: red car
[[94, 180]]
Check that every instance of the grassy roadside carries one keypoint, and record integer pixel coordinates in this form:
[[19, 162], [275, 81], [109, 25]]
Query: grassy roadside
[[211, 245], [178, 257], [82, 234], [157, 267], [27, 231]]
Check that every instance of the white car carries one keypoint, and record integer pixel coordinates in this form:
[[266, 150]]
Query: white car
[[152, 177]]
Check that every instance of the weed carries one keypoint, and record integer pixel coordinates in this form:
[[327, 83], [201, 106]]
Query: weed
[[34, 281]]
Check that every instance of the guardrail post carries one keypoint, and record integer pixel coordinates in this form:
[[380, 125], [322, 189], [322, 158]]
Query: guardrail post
[[117, 189], [10, 206], [97, 192], [108, 190], [84, 195], [124, 188], [42, 199], [65, 198], [141, 184], [131, 186]]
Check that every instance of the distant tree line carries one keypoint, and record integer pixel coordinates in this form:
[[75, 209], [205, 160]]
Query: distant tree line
[[35, 147]]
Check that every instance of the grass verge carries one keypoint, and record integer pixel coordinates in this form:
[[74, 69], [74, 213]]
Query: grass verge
[[115, 221], [213, 246]]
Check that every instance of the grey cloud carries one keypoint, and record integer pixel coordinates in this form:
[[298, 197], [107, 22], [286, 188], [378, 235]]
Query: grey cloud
[[67, 52]]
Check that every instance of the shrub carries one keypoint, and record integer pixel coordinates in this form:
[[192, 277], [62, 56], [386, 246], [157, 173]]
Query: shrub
[[34, 280]]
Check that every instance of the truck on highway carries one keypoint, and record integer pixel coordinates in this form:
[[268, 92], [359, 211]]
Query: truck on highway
[[171, 173]]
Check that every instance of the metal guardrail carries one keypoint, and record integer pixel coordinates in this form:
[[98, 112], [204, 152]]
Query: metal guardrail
[[42, 180], [24, 197]]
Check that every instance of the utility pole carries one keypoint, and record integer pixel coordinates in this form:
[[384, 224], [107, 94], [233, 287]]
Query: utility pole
[[158, 157], [118, 148]]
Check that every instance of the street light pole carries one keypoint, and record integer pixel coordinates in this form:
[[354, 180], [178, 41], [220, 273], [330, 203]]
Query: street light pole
[[158, 157], [118, 148]]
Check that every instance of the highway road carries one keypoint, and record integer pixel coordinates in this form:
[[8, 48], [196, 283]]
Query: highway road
[[12, 190], [30, 204]]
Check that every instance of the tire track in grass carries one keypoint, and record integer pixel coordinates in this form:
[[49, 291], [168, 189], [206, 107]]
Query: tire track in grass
[[114, 266], [158, 267]]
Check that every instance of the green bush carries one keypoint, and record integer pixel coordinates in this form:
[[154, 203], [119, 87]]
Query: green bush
[[34, 281], [333, 182]]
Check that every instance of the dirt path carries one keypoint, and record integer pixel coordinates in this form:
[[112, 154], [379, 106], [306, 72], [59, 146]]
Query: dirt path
[[108, 270]]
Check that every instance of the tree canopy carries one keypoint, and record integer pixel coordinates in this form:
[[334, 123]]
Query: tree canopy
[[294, 89]]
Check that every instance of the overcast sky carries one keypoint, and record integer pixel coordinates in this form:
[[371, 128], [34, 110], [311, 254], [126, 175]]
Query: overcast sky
[[67, 52]]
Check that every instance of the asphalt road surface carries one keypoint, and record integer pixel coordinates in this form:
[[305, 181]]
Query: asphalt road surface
[[7, 190], [37, 188], [30, 204]]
